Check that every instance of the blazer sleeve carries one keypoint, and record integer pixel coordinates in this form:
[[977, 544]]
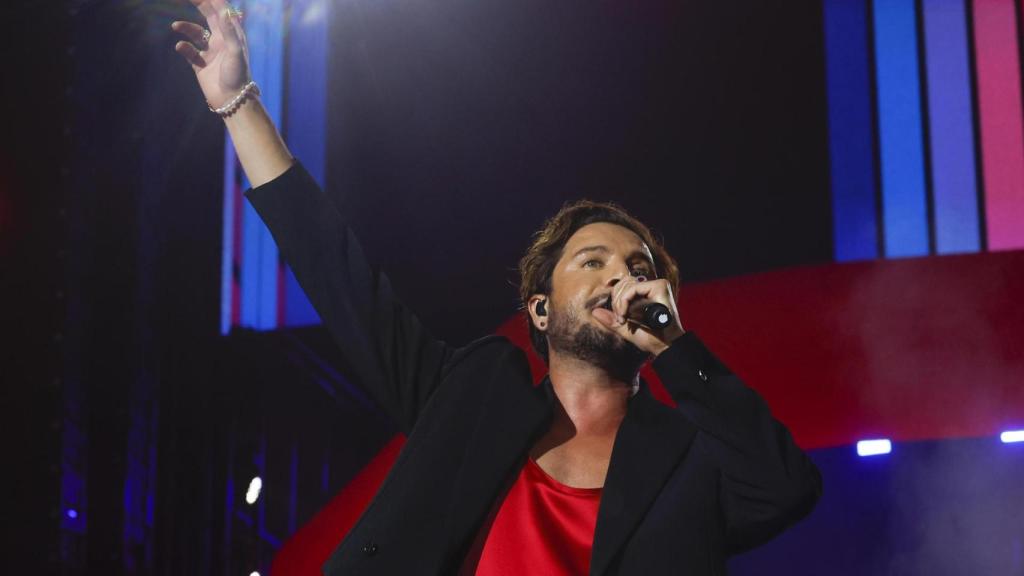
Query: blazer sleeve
[[385, 349], [767, 482]]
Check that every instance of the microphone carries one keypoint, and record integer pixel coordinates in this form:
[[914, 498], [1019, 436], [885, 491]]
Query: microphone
[[651, 314]]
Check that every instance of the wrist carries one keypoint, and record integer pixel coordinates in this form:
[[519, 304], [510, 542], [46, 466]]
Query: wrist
[[666, 343], [248, 92], [260, 148], [247, 111]]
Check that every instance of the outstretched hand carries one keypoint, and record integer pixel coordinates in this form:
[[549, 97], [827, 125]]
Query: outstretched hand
[[219, 59]]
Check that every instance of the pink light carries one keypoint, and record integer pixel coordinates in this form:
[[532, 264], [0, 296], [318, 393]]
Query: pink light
[[1002, 127]]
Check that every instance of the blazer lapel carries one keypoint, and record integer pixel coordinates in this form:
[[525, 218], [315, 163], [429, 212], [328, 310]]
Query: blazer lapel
[[512, 417], [650, 442]]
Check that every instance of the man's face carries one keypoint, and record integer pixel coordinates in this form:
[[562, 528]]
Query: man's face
[[596, 258]]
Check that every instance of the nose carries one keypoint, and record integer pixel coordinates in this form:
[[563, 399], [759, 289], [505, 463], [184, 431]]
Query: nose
[[616, 274]]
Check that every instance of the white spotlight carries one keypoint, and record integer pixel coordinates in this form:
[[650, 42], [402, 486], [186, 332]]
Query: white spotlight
[[1012, 436], [253, 493], [873, 447], [254, 573]]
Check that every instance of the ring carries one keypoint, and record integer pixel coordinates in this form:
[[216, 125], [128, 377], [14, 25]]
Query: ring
[[236, 12], [206, 35]]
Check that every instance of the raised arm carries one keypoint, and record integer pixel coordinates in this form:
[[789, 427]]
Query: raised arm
[[220, 59], [387, 352]]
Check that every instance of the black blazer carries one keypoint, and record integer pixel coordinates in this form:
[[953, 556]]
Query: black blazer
[[686, 487]]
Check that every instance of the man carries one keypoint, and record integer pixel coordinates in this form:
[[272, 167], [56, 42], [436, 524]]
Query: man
[[584, 473]]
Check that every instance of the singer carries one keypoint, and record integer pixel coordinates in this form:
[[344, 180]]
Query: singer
[[585, 473]]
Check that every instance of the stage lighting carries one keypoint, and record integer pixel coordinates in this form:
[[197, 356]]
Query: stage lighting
[[253, 493], [1012, 436], [873, 447], [72, 513]]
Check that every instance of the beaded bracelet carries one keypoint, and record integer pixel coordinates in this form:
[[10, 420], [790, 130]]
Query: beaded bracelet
[[228, 109]]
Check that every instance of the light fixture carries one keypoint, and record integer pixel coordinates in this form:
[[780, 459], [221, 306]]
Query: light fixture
[[873, 447], [1012, 436], [253, 492]]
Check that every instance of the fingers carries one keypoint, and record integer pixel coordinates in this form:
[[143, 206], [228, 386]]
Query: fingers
[[205, 8], [231, 27], [224, 22], [213, 12], [194, 32], [623, 293], [629, 289], [190, 53], [236, 25]]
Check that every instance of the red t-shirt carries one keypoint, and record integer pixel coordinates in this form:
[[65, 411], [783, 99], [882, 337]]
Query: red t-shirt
[[541, 527]]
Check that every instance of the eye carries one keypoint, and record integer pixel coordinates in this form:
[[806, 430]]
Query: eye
[[593, 261], [641, 271]]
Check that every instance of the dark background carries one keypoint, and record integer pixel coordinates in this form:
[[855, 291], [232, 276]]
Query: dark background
[[456, 128]]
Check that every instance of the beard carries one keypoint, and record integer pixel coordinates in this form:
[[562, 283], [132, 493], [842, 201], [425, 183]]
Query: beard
[[574, 337]]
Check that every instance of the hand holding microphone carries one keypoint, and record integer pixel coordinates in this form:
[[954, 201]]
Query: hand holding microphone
[[649, 313], [653, 315]]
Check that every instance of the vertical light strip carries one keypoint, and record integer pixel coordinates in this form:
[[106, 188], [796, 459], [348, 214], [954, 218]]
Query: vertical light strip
[[997, 63], [228, 299], [264, 25], [954, 190], [851, 137], [904, 204], [307, 121]]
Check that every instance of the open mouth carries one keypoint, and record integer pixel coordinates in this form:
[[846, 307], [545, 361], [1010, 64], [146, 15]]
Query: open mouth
[[605, 302]]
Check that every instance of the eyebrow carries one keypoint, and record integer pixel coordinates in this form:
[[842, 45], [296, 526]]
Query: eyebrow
[[604, 249], [597, 248]]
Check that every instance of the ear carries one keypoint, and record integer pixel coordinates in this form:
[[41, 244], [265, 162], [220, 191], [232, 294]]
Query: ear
[[540, 321]]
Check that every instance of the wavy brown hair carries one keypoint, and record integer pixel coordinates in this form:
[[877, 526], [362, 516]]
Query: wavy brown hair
[[538, 264]]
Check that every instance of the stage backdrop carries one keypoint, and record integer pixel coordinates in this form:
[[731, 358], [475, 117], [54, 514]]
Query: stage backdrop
[[842, 182]]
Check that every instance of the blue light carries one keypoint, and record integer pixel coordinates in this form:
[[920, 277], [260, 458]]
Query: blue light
[[952, 127], [72, 513], [873, 447], [259, 257], [1011, 436], [306, 109], [851, 137], [901, 143]]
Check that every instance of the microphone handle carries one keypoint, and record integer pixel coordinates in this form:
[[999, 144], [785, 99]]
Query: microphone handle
[[651, 314]]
